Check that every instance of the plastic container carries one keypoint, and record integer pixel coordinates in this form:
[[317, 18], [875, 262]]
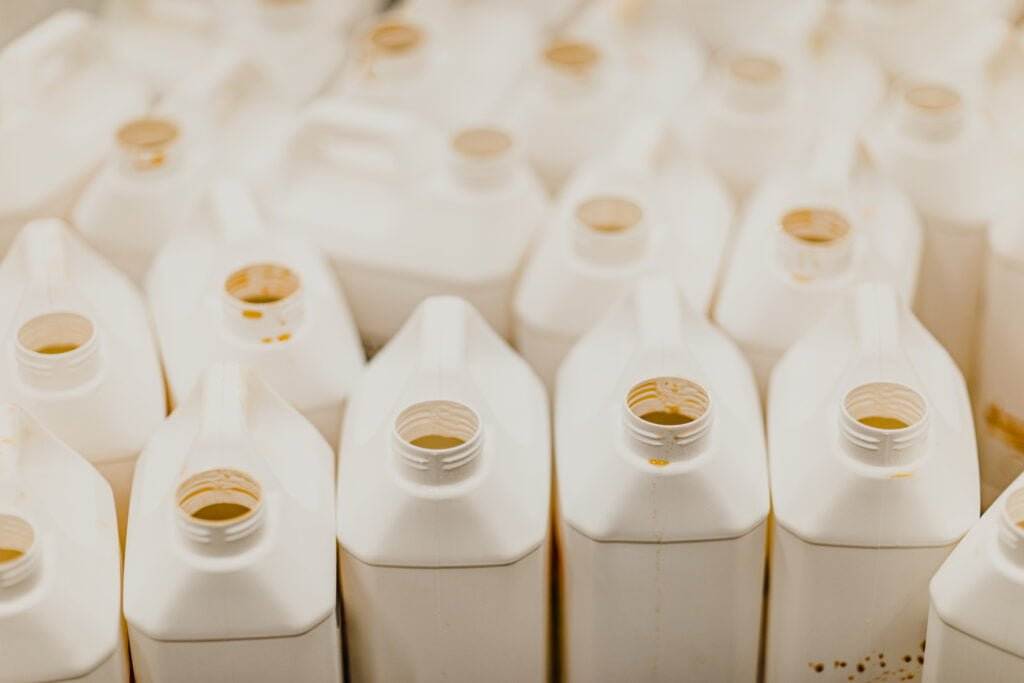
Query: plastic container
[[453, 63], [405, 213], [663, 495], [78, 352], [999, 410], [443, 507], [724, 25], [230, 563], [936, 143], [648, 208], [161, 41], [60, 585], [977, 599], [808, 236], [62, 97], [874, 479], [242, 293], [144, 195]]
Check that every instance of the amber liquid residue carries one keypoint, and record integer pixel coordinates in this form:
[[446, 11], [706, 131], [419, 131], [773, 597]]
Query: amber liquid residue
[[880, 422], [261, 299], [666, 417], [54, 349], [9, 555], [221, 512], [437, 442]]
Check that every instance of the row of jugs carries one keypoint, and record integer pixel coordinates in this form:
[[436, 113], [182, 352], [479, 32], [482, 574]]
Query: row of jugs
[[443, 508]]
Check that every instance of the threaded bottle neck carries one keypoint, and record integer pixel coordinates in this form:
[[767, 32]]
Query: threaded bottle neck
[[263, 303], [609, 230], [667, 419], [438, 443], [884, 424], [482, 158], [1010, 533], [148, 145], [814, 243], [19, 550], [931, 112], [571, 67], [57, 351], [395, 49], [753, 83], [220, 509]]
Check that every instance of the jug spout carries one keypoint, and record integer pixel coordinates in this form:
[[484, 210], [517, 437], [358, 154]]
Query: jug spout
[[668, 419]]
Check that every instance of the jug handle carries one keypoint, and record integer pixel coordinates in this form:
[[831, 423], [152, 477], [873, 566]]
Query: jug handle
[[40, 60], [878, 309], [44, 253], [442, 333], [658, 306], [364, 138], [225, 397], [236, 214]]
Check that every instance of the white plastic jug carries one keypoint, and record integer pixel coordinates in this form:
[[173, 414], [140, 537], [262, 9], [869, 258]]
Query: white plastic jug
[[806, 237], [663, 493], [761, 109], [405, 213], [724, 25], [936, 143], [443, 507], [299, 44], [62, 97], [161, 41], [230, 563], [874, 477], [647, 208], [78, 351], [60, 584], [998, 404], [975, 625], [664, 59], [233, 120], [927, 39], [453, 63], [144, 195], [240, 292]]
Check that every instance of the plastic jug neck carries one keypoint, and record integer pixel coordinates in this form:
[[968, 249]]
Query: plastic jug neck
[[1011, 527], [396, 49], [147, 146], [610, 230], [19, 551], [482, 158], [884, 424], [437, 443], [754, 83], [931, 113], [57, 351], [667, 419], [571, 67], [220, 510], [263, 303], [814, 243]]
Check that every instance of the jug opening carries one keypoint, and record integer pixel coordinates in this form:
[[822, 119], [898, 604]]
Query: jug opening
[[609, 215], [395, 37], [54, 334], [16, 539], [816, 226], [933, 98], [481, 143], [574, 57], [437, 425], [885, 406], [1013, 509], [147, 141], [755, 69], [668, 401], [261, 284], [219, 496]]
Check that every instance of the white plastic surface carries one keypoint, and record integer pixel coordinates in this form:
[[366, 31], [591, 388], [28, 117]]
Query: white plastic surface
[[104, 397], [301, 338], [678, 222], [977, 601], [62, 97], [249, 597], [60, 599], [778, 283], [863, 514], [936, 143], [404, 214], [445, 552], [662, 528]]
